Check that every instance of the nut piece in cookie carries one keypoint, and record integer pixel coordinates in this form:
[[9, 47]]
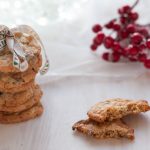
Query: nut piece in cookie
[[116, 108], [114, 129]]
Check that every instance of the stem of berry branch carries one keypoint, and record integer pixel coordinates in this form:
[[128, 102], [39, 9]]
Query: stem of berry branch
[[136, 2]]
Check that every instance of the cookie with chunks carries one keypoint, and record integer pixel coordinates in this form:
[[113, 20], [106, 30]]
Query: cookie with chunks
[[114, 129], [28, 42], [15, 99], [15, 80], [20, 88], [6, 62], [26, 115], [37, 93], [117, 108]]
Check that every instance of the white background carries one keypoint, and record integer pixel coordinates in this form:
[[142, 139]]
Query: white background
[[77, 79]]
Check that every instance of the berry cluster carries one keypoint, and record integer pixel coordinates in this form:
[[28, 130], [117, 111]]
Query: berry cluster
[[128, 40]]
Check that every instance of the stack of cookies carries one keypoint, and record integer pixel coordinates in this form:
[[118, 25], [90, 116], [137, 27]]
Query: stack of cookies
[[19, 94], [105, 118]]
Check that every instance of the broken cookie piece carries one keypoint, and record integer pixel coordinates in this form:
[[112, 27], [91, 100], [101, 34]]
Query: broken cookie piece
[[114, 129], [116, 108]]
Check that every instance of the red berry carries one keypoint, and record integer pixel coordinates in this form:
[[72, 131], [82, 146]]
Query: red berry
[[133, 16], [123, 20], [116, 47], [142, 57], [133, 50], [106, 56], [95, 42], [93, 47], [136, 38], [96, 28], [99, 38], [108, 42], [124, 9], [144, 32], [133, 59], [148, 43], [110, 24], [116, 27], [142, 47], [124, 52], [131, 28], [124, 34], [115, 57], [147, 63], [120, 11]]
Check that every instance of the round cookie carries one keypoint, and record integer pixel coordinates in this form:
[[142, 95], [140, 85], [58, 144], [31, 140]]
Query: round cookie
[[117, 108], [20, 101], [6, 63], [28, 104], [28, 42], [13, 100], [30, 46], [19, 88], [31, 113], [16, 80]]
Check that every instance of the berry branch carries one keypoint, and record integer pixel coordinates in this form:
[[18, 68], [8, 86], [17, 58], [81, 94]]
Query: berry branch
[[131, 40], [134, 5]]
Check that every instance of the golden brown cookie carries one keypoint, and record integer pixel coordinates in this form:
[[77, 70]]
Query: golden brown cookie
[[114, 129], [6, 62], [19, 88], [15, 99], [15, 80], [28, 42], [37, 93], [116, 108], [31, 113]]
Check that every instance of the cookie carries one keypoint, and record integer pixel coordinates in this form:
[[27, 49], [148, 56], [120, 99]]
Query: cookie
[[15, 80], [28, 42], [15, 99], [6, 62], [116, 108], [19, 88], [114, 129], [26, 105], [31, 113]]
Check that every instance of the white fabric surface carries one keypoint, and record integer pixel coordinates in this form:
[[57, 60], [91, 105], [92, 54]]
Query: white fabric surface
[[66, 100], [77, 79]]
